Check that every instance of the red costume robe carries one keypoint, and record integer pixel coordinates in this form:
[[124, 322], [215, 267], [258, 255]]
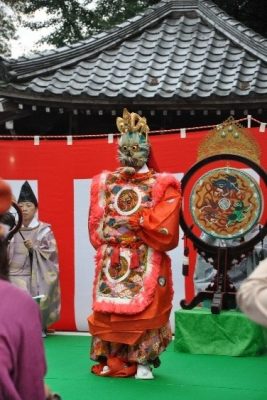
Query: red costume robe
[[134, 220]]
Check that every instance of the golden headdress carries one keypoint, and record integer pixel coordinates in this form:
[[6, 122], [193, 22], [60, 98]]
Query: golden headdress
[[229, 138], [132, 122]]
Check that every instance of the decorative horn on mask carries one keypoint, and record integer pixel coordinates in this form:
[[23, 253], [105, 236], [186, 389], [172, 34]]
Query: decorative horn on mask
[[132, 122]]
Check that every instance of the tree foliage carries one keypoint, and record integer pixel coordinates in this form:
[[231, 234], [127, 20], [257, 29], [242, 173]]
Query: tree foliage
[[110, 13], [252, 13], [69, 21], [72, 20], [9, 21], [66, 21], [8, 28]]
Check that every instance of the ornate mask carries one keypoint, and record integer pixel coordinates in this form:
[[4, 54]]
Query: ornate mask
[[134, 147]]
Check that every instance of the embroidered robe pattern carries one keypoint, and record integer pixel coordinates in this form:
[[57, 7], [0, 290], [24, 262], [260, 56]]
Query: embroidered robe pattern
[[127, 268]]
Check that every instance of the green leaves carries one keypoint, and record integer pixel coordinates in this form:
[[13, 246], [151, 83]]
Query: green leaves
[[69, 21], [8, 29], [252, 13]]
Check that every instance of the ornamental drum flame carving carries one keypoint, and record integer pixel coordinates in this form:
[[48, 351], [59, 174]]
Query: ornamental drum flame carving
[[226, 203]]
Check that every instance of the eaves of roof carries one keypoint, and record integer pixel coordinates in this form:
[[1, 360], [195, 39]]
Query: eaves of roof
[[173, 103], [40, 64]]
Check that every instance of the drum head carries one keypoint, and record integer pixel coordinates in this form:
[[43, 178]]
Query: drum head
[[226, 203]]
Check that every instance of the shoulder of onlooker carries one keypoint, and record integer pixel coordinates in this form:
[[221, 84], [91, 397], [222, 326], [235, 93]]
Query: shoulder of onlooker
[[18, 297]]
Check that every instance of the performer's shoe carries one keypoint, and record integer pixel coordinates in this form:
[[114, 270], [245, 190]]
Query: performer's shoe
[[105, 370], [115, 367], [144, 372], [44, 334]]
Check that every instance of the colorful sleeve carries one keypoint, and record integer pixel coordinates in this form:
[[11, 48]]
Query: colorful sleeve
[[158, 226]]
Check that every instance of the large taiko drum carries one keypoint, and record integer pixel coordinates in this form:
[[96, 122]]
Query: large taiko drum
[[225, 202]]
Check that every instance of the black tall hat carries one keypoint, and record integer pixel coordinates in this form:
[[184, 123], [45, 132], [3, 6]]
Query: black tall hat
[[26, 194]]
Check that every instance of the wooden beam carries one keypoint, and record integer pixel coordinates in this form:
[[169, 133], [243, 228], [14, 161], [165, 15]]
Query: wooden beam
[[6, 105], [13, 116]]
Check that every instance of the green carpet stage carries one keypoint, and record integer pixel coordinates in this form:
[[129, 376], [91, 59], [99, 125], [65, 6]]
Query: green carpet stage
[[182, 376]]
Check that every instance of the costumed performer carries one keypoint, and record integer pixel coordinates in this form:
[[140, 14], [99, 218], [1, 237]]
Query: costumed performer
[[133, 221], [33, 258]]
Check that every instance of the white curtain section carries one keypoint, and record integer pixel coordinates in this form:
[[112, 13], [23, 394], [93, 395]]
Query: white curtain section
[[83, 255], [84, 258]]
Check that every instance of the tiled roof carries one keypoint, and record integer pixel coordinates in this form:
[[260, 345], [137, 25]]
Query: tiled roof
[[176, 49]]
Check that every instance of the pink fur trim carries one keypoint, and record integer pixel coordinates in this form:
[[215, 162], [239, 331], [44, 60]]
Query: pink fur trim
[[96, 210], [162, 182], [141, 300], [98, 258]]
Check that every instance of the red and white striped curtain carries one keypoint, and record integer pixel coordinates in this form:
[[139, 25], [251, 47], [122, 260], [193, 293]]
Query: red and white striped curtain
[[60, 172]]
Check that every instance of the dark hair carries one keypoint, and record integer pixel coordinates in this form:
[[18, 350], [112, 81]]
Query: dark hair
[[4, 263], [8, 219]]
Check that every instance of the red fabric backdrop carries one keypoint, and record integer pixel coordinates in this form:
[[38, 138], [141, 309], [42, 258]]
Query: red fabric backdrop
[[55, 165]]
